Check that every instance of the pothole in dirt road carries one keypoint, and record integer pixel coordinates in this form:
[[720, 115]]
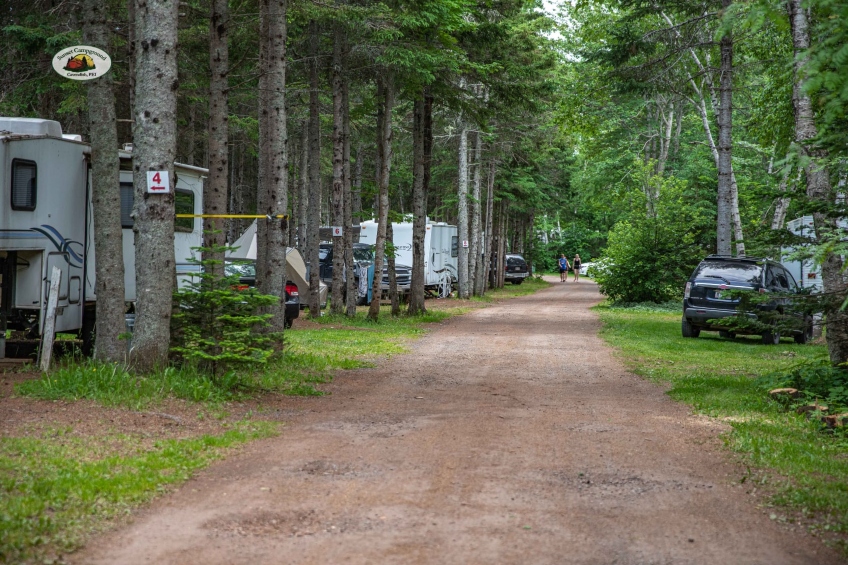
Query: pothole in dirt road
[[621, 485], [295, 523], [376, 425], [327, 468]]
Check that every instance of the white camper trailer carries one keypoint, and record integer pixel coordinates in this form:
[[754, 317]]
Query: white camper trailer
[[46, 221], [440, 249], [806, 272]]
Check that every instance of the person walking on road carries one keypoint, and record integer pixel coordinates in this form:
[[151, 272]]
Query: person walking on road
[[576, 265], [563, 267]]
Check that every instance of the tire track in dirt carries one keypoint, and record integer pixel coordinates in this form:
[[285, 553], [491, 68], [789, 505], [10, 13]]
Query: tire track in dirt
[[508, 435]]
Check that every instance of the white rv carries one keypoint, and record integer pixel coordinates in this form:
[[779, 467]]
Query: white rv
[[46, 220], [806, 272], [440, 249]]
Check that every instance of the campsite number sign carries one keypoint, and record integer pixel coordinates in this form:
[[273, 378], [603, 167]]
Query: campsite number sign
[[158, 182]]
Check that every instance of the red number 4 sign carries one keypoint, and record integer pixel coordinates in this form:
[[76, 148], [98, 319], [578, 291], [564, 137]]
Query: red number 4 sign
[[158, 182]]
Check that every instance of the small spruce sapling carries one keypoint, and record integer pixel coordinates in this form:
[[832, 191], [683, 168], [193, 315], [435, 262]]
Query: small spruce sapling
[[216, 321]]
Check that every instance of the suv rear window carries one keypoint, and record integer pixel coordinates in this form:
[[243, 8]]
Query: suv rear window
[[729, 271], [515, 261]]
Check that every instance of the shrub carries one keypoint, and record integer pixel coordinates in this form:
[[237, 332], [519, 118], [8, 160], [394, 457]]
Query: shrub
[[650, 255], [218, 326]]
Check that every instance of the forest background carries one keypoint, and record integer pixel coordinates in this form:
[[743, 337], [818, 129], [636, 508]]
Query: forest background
[[652, 133]]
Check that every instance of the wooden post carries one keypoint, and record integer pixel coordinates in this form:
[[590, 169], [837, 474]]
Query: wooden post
[[50, 320]]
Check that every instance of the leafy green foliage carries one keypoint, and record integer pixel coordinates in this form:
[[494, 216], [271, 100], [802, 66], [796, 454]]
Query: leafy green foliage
[[218, 325], [816, 381], [650, 255]]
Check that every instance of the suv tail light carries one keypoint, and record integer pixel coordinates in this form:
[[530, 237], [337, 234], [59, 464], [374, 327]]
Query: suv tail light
[[291, 289], [687, 290]]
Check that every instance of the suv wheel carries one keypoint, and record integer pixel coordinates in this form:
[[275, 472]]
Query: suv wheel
[[806, 335], [688, 330], [727, 334], [517, 281], [771, 337]]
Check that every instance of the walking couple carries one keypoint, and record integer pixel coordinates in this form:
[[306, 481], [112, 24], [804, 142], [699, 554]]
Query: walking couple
[[564, 266]]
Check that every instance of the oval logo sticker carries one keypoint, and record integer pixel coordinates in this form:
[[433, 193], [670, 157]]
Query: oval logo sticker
[[82, 62]]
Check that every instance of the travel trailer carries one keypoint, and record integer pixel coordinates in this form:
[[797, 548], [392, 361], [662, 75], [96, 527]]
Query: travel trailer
[[440, 250], [46, 221], [806, 272]]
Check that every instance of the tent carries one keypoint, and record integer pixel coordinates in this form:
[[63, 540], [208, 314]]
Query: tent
[[295, 266]]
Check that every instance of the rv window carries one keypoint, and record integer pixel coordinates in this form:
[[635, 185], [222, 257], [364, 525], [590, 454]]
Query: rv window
[[23, 185], [184, 204], [127, 201], [455, 246]]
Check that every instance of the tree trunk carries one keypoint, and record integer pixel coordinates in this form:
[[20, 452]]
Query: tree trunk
[[314, 214], [337, 305], [462, 213], [781, 205], [385, 101], [350, 267], [390, 267], [725, 124], [474, 261], [273, 192], [154, 149], [356, 191], [303, 192], [106, 198], [215, 187], [490, 199], [819, 189], [419, 210]]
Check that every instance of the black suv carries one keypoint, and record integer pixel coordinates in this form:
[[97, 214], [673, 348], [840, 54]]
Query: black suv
[[712, 296], [363, 255], [516, 269]]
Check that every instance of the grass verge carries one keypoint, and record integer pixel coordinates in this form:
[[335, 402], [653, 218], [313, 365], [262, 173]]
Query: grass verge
[[804, 470], [57, 489]]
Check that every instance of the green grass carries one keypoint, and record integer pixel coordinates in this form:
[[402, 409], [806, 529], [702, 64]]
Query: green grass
[[57, 489], [804, 468]]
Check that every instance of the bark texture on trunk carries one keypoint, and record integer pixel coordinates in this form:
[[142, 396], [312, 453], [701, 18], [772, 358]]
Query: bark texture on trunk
[[352, 298], [819, 188], [490, 200], [273, 192], [303, 190], [724, 201], [154, 149], [337, 305], [314, 207], [474, 255], [462, 213], [419, 211], [385, 101], [390, 267], [105, 198], [215, 187]]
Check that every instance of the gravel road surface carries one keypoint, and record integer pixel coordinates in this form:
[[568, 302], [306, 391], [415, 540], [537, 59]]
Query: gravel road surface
[[511, 434]]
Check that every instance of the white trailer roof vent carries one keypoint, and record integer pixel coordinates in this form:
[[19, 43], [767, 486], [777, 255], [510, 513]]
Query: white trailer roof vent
[[72, 136], [31, 126]]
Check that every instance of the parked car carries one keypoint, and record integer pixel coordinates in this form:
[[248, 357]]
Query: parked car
[[712, 296], [246, 271], [584, 268], [516, 269], [363, 255]]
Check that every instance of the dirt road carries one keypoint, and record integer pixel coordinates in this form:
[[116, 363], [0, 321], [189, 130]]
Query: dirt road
[[508, 435]]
